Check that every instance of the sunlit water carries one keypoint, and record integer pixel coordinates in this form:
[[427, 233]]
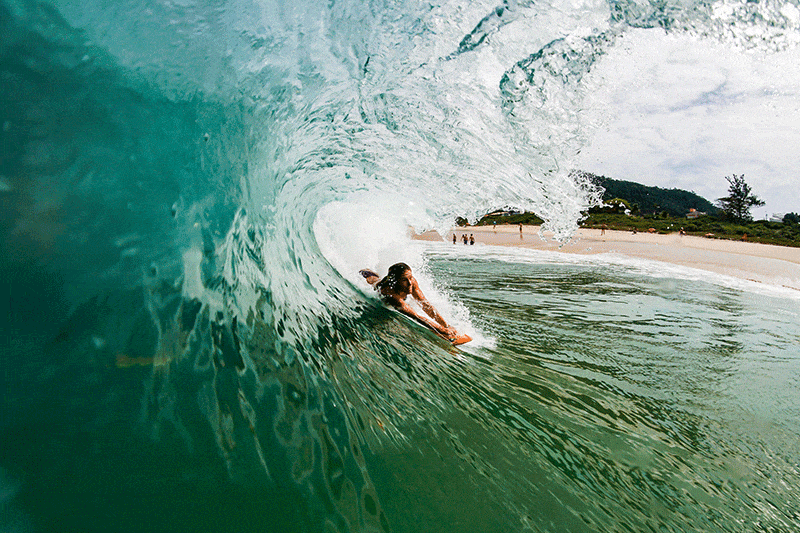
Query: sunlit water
[[187, 191]]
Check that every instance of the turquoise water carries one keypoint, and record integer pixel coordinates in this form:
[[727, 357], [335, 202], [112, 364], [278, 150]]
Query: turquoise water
[[613, 401], [187, 191]]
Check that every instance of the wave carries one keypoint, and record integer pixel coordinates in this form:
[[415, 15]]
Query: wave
[[189, 187]]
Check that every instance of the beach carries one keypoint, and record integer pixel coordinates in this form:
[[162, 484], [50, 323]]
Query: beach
[[763, 263]]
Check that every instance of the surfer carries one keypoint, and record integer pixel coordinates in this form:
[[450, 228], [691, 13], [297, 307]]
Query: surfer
[[398, 284]]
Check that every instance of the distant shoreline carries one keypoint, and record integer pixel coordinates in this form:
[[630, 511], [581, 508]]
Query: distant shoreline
[[763, 263]]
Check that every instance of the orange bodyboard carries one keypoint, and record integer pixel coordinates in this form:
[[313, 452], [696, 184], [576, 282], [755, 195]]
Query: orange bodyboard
[[461, 338]]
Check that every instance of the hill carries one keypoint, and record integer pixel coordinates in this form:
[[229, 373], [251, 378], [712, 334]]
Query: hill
[[642, 200], [650, 200]]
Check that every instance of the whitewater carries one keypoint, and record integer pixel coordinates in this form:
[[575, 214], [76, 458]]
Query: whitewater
[[188, 190]]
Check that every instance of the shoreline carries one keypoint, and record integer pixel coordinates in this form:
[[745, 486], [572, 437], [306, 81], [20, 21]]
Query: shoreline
[[762, 263]]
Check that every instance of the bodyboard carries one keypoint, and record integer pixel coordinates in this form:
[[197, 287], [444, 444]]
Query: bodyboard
[[461, 338]]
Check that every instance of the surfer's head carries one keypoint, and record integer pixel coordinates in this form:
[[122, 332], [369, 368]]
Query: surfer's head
[[397, 281]]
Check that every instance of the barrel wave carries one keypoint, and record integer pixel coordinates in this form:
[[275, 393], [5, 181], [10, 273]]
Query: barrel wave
[[188, 190]]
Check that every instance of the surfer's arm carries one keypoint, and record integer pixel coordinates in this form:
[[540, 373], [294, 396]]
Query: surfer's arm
[[430, 310], [404, 308]]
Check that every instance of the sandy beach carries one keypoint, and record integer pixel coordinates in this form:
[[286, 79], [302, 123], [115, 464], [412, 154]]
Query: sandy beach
[[775, 265]]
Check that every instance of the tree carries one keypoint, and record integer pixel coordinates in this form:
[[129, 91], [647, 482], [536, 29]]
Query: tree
[[737, 205]]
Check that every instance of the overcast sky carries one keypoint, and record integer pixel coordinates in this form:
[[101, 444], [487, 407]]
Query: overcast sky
[[685, 113]]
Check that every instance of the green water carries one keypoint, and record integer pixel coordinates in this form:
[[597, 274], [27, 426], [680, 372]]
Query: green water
[[606, 399]]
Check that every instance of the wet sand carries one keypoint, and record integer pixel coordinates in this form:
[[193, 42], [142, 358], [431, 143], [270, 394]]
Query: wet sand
[[764, 263]]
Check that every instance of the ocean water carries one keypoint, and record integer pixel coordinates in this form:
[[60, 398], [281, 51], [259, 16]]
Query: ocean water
[[187, 190]]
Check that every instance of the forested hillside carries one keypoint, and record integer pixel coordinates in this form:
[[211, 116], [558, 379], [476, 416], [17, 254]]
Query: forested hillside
[[676, 202]]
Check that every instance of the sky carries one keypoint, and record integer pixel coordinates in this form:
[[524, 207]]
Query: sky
[[681, 112]]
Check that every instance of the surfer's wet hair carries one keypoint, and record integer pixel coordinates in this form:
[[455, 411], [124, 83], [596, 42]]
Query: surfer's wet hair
[[393, 276]]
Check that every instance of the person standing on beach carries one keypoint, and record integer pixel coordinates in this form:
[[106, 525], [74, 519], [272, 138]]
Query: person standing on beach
[[454, 237], [471, 239], [520, 231]]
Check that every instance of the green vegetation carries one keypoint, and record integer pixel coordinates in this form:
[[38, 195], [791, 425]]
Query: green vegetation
[[528, 219], [665, 210], [649, 200], [740, 199], [785, 233]]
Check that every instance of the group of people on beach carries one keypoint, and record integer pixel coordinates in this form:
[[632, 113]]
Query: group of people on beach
[[464, 239]]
